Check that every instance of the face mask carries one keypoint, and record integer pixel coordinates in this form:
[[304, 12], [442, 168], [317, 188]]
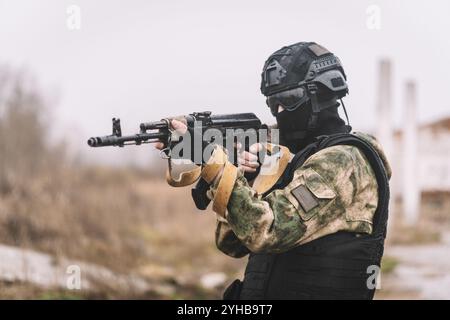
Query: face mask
[[293, 127]]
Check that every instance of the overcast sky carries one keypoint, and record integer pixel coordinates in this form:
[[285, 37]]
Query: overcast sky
[[143, 60]]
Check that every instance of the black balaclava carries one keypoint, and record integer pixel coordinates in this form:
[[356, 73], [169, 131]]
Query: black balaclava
[[329, 122]]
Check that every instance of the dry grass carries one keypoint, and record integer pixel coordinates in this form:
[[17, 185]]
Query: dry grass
[[125, 220]]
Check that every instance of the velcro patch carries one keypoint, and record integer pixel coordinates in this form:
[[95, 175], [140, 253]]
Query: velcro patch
[[318, 50], [305, 198]]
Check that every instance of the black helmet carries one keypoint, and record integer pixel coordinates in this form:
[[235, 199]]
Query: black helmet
[[307, 80], [299, 71], [301, 63]]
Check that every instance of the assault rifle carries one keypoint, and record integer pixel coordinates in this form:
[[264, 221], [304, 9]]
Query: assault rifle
[[160, 131]]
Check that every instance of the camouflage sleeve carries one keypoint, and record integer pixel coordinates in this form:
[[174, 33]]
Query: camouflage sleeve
[[330, 184], [226, 240]]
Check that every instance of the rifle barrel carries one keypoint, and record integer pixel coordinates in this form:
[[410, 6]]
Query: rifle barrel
[[113, 140]]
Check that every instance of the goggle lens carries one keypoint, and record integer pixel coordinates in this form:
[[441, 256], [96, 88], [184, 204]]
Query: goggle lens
[[290, 100]]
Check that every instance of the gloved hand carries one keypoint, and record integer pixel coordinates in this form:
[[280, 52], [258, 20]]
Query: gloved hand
[[180, 127], [248, 160], [182, 130]]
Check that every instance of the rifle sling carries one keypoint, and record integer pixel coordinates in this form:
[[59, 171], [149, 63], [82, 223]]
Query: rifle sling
[[224, 189], [264, 182], [185, 179]]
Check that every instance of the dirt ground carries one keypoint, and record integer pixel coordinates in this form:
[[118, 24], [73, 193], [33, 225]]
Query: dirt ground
[[422, 271]]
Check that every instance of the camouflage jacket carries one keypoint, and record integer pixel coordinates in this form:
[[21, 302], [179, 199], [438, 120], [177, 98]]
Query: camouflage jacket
[[345, 197]]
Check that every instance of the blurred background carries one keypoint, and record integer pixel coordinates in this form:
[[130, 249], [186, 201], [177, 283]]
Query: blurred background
[[82, 223]]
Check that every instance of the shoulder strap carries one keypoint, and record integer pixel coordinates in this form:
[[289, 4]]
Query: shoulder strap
[[322, 142]]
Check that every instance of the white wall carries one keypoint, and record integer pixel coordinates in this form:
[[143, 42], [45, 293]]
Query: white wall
[[433, 170]]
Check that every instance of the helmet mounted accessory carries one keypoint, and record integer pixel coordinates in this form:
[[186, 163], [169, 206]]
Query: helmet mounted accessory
[[274, 73]]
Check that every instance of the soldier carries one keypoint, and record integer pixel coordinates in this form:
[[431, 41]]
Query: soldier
[[317, 232]]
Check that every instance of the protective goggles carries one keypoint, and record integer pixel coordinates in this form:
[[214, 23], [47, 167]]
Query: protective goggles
[[289, 99]]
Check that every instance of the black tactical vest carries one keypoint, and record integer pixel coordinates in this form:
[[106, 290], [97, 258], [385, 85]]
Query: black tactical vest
[[332, 267]]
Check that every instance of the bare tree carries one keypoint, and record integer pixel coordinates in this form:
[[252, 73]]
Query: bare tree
[[23, 131]]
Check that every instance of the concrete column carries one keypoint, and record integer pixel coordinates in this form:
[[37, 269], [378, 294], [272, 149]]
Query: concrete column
[[384, 107], [410, 185], [384, 131]]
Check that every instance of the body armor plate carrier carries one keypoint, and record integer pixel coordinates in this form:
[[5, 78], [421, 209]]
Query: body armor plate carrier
[[332, 267]]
